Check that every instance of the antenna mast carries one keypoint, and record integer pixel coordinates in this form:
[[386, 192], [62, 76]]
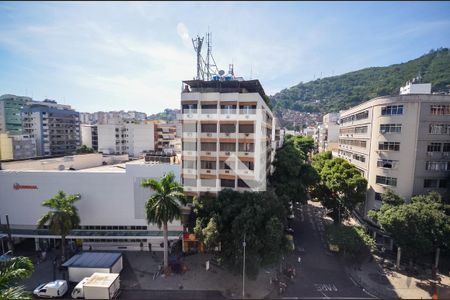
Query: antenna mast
[[197, 43]]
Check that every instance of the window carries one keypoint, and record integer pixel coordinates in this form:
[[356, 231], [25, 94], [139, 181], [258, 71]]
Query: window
[[359, 157], [443, 110], [225, 165], [208, 182], [392, 110], [246, 128], [189, 182], [209, 128], [362, 115], [434, 147], [246, 147], [356, 143], [387, 163], [208, 147], [207, 164], [439, 129], [446, 147], [392, 128], [243, 165], [189, 164], [437, 165], [189, 108], [386, 180], [389, 146], [431, 183], [227, 183], [189, 146], [227, 147], [190, 127], [227, 128], [361, 129], [377, 196]]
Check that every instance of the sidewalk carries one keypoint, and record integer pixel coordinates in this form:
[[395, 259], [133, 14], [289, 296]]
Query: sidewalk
[[140, 267], [387, 283]]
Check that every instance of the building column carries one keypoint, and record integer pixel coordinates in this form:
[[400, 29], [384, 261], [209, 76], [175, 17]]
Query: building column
[[36, 244]]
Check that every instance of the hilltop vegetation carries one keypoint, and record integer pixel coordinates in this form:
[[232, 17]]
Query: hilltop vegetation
[[344, 91]]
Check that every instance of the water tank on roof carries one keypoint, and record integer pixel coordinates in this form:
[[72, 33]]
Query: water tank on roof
[[228, 77], [215, 77]]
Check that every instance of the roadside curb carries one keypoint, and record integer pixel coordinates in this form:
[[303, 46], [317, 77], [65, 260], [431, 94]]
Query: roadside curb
[[365, 287]]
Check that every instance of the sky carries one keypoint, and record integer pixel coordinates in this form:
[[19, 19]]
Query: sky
[[134, 55]]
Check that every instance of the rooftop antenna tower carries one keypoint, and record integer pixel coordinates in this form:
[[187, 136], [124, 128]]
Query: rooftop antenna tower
[[197, 43], [205, 68]]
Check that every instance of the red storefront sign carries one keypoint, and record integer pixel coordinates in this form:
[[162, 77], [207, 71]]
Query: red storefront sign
[[25, 187]]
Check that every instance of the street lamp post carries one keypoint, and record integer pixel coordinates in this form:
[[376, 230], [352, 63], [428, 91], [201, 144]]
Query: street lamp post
[[243, 271]]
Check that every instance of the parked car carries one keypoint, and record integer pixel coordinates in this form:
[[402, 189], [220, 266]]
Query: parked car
[[54, 289]]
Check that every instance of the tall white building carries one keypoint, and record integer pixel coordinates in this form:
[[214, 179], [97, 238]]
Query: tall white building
[[399, 142], [328, 133], [227, 136], [133, 139]]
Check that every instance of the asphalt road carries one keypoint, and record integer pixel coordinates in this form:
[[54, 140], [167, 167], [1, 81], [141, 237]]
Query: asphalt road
[[167, 294], [320, 274]]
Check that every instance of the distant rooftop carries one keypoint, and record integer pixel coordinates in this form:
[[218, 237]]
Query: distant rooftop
[[231, 86]]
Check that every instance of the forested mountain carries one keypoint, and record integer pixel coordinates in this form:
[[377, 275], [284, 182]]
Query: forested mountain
[[335, 93]]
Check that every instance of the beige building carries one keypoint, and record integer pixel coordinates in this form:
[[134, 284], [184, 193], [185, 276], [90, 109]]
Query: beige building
[[227, 136], [399, 142]]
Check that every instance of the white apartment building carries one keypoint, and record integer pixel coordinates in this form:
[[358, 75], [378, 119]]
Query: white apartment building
[[89, 136], [328, 133], [399, 142], [227, 136], [130, 138], [111, 207]]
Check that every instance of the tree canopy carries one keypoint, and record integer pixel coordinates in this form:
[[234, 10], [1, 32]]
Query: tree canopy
[[341, 187], [84, 149], [418, 227], [11, 272], [225, 220]]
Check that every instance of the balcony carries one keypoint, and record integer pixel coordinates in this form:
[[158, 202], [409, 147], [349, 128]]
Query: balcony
[[189, 153], [208, 172], [211, 135], [225, 135], [187, 188], [246, 154], [247, 114], [189, 171], [190, 115], [227, 114], [209, 114], [208, 189], [212, 153], [246, 135], [228, 172], [245, 172], [190, 135]]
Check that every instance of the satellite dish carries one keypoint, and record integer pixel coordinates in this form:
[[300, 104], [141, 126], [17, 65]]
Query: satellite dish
[[221, 72]]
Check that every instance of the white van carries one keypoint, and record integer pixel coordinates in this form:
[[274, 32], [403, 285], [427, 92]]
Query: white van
[[78, 291], [54, 289]]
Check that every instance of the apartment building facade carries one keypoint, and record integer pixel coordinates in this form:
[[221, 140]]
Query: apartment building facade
[[89, 136], [10, 113], [129, 138], [328, 133], [398, 142], [55, 127], [227, 136]]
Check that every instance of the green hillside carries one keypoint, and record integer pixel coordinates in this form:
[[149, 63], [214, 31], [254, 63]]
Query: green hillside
[[335, 93]]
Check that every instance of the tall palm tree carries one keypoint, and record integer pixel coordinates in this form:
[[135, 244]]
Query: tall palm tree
[[62, 218], [164, 205], [11, 271]]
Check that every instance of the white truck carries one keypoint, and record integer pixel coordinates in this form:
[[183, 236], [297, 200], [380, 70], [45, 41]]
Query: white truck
[[98, 286]]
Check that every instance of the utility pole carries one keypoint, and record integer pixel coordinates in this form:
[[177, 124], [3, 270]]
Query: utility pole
[[243, 271], [8, 231]]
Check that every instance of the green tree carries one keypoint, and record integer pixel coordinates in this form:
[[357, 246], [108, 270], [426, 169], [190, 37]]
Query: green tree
[[341, 188], [305, 144], [418, 227], [11, 272], [391, 198], [258, 215], [84, 149], [62, 218], [164, 205]]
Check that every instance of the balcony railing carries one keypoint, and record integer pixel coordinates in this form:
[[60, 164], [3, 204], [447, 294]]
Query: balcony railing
[[208, 135]]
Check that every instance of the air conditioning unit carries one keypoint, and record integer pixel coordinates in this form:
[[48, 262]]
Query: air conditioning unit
[[227, 134], [190, 116], [209, 134], [227, 153], [246, 153], [383, 131], [208, 153], [247, 134], [208, 171], [227, 172]]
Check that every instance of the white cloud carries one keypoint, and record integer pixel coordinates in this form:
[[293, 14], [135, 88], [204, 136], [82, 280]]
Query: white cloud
[[183, 33]]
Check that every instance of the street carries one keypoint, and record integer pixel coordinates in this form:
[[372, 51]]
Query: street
[[320, 274]]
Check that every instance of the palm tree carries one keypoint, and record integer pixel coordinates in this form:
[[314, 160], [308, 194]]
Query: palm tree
[[11, 271], [62, 218], [164, 205]]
